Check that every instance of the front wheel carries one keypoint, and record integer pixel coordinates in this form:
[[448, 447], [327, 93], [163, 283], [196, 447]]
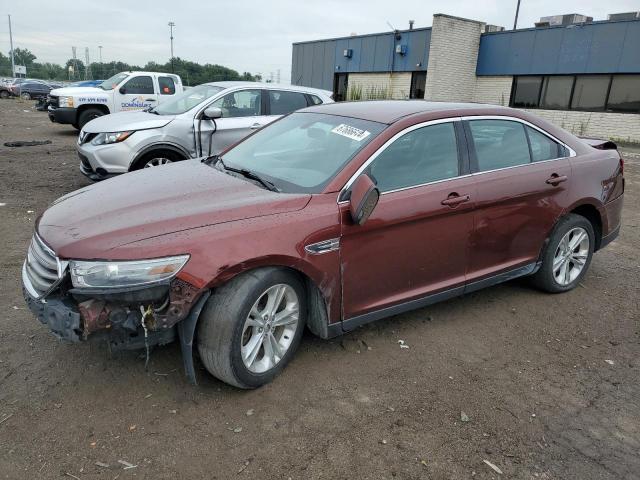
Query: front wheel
[[4, 94], [25, 96], [88, 115], [567, 256], [251, 327]]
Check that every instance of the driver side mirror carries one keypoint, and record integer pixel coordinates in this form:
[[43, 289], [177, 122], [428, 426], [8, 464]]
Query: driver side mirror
[[212, 113], [123, 90], [364, 198]]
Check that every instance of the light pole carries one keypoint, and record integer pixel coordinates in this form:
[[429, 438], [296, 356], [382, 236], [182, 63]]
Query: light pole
[[171, 25], [515, 21], [13, 63]]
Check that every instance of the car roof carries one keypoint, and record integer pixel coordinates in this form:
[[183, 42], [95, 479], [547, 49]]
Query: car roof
[[390, 111], [278, 86]]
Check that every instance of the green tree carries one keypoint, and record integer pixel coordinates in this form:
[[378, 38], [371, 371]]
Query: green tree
[[23, 56]]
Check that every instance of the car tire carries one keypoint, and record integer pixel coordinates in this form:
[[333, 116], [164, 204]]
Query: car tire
[[25, 96], [156, 158], [567, 256], [88, 115], [4, 94], [235, 334]]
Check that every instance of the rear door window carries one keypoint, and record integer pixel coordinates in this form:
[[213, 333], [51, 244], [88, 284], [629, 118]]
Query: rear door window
[[499, 144], [167, 86], [283, 102]]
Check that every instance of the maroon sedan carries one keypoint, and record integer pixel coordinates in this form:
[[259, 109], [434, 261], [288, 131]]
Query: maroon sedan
[[331, 218]]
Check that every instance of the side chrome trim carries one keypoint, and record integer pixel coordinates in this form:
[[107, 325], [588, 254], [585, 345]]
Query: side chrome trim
[[325, 246], [572, 152], [346, 187]]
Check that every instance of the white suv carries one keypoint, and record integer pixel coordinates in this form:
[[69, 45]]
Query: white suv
[[203, 120]]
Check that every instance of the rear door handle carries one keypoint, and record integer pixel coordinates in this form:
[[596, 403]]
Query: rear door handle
[[454, 200], [556, 179], [149, 99]]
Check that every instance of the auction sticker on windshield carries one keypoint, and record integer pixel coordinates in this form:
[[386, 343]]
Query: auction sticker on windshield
[[351, 132]]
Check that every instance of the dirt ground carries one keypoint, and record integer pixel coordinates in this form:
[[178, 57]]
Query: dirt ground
[[550, 384]]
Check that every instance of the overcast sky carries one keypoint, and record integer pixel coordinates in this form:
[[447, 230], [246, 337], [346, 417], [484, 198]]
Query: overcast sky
[[252, 36]]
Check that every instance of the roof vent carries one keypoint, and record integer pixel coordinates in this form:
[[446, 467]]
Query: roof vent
[[623, 16], [567, 19], [493, 28]]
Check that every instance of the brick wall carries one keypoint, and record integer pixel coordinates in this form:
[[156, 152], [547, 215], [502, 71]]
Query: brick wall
[[451, 72], [397, 85], [493, 90], [614, 126]]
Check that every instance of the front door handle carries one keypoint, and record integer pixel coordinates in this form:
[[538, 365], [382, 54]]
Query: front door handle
[[255, 126], [453, 200], [556, 179]]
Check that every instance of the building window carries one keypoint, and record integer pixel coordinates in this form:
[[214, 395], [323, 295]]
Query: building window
[[595, 93], [526, 92], [625, 94], [556, 92], [590, 92], [418, 81], [340, 85]]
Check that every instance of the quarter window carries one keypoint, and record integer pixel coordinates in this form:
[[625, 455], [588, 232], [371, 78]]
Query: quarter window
[[167, 86], [282, 102], [315, 100], [542, 147], [421, 156], [245, 103], [499, 144], [139, 85]]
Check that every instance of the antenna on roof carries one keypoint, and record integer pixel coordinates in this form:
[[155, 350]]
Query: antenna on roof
[[391, 26]]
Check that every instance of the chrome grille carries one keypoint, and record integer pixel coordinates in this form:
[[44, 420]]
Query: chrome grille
[[41, 268]]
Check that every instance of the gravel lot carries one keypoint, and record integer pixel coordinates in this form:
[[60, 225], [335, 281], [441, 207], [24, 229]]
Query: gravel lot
[[550, 384]]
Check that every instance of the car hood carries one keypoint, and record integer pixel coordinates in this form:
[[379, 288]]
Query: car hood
[[89, 222], [75, 91], [123, 121]]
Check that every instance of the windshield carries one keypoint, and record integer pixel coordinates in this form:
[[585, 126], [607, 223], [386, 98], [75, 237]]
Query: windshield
[[113, 82], [188, 99], [304, 151]]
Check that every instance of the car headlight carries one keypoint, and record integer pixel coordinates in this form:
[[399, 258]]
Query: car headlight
[[65, 102], [118, 274], [111, 137]]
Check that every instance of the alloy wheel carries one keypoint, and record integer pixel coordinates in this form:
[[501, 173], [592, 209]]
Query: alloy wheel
[[571, 256], [270, 327], [156, 162]]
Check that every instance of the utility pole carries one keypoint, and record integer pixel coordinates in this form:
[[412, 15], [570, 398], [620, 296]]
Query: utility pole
[[171, 25], [87, 68], [515, 22], [100, 57], [13, 63]]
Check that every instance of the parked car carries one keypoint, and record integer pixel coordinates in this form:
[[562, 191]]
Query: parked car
[[201, 121], [125, 91], [85, 83], [11, 88], [332, 217], [33, 89]]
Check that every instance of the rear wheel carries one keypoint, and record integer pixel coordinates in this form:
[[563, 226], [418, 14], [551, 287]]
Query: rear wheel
[[4, 94], [88, 115], [25, 96], [251, 327], [567, 256]]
